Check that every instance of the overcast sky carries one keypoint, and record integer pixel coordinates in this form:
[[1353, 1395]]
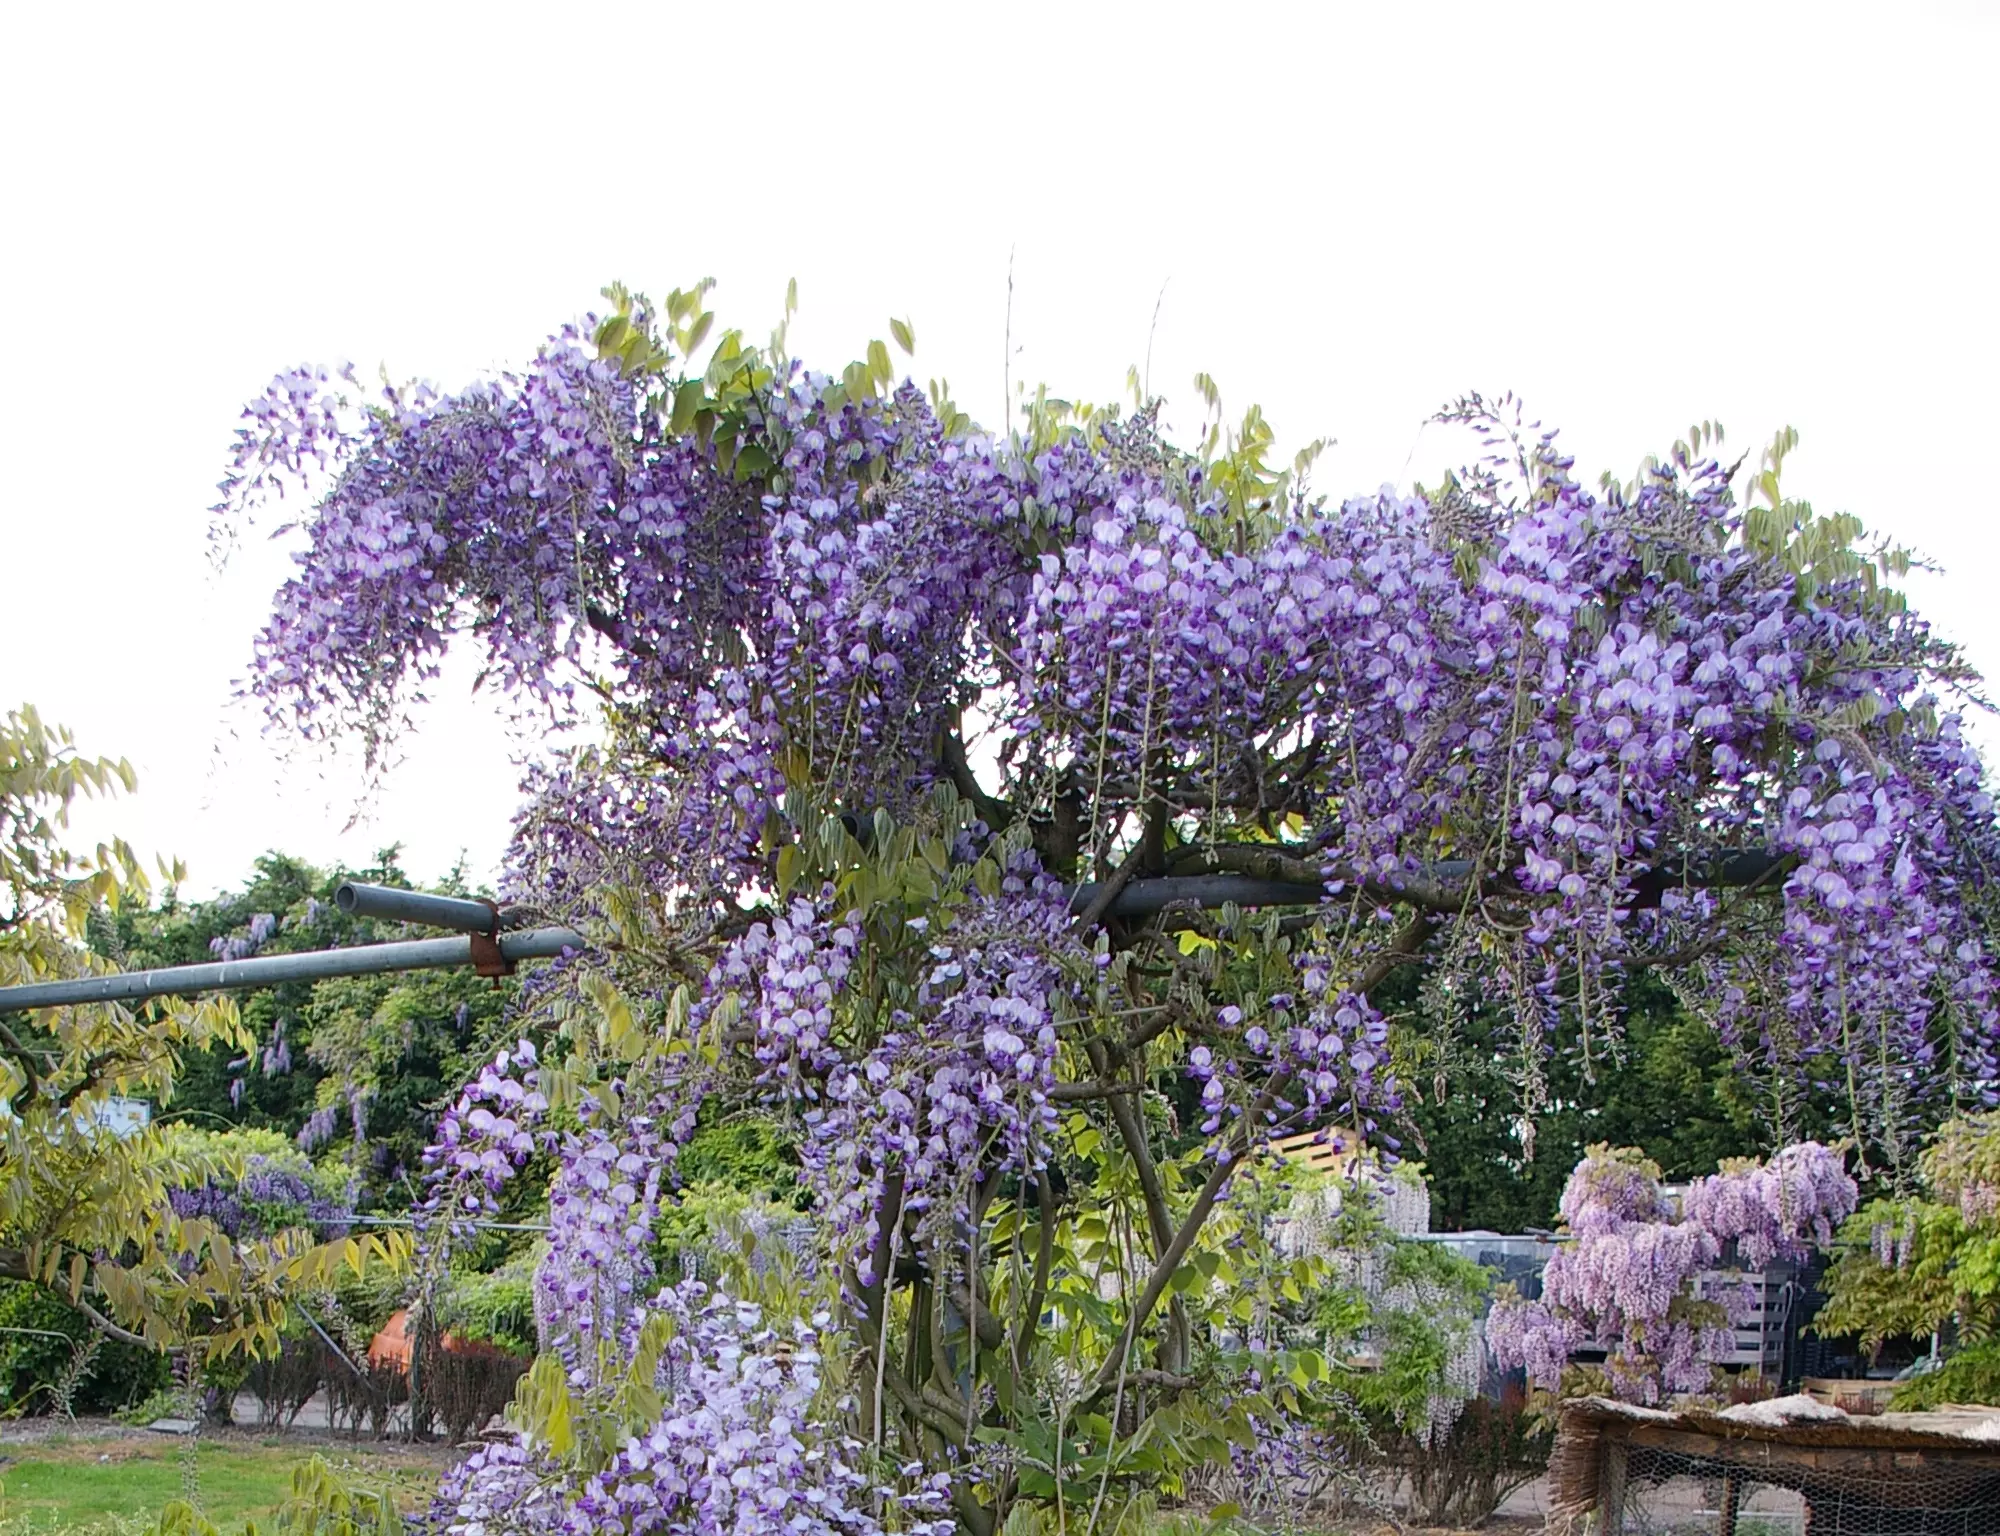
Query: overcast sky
[[1636, 216]]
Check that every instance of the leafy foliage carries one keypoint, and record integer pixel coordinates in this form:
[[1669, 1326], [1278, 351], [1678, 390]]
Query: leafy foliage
[[1928, 1264], [50, 1357], [357, 1065], [496, 1309], [323, 1503], [1670, 1086], [85, 1206]]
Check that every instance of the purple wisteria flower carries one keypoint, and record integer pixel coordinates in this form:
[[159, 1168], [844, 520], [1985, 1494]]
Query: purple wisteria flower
[[741, 1448], [1627, 1281]]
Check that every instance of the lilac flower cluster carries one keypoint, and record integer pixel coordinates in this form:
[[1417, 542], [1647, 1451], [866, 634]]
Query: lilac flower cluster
[[266, 1198], [1141, 639], [1880, 939], [485, 1137], [1779, 1209], [242, 945], [602, 1206], [1630, 1279], [955, 1089], [603, 1200], [1574, 698], [958, 1090], [1307, 1060], [444, 502], [878, 587], [792, 969], [1290, 1470], [1561, 688], [1963, 1165], [317, 1128], [277, 1056], [740, 1449], [684, 809]]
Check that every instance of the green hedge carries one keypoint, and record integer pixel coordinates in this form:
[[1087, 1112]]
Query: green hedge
[[34, 1367]]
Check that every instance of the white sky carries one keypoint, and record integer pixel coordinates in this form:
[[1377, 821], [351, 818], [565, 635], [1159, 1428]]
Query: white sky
[[1633, 215]]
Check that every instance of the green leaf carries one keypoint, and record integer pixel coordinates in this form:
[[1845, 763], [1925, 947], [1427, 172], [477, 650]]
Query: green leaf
[[906, 336], [687, 401]]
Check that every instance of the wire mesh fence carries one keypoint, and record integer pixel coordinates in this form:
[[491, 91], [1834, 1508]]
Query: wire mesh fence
[[1662, 1492]]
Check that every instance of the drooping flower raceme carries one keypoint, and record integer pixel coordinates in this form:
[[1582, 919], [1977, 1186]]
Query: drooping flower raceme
[[602, 1206], [952, 1090], [742, 1448], [485, 1137], [270, 1195]]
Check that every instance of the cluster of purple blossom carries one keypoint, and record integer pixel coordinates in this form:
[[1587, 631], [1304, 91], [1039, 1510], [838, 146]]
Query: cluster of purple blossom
[[603, 1200], [602, 1205], [274, 1057], [1141, 639], [318, 1127], [485, 1137], [241, 945], [954, 1089], [741, 1448], [1308, 1059], [1563, 689], [1575, 699], [1780, 1209], [1962, 1167], [1288, 1472], [266, 1198], [1633, 1279], [1894, 1242], [873, 598]]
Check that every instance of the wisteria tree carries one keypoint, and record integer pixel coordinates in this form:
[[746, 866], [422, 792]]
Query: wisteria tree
[[954, 791], [1659, 1291]]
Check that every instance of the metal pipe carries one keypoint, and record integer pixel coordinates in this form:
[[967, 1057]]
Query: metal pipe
[[394, 906], [456, 1221], [269, 970], [1141, 898], [1144, 898], [341, 1354]]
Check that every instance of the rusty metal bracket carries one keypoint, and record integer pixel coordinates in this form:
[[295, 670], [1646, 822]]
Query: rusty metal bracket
[[487, 960]]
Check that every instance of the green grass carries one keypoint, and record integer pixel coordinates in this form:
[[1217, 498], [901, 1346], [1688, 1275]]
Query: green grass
[[115, 1487]]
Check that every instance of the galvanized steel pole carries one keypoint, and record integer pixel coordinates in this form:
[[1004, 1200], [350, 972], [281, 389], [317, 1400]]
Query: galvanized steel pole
[[392, 905], [269, 970]]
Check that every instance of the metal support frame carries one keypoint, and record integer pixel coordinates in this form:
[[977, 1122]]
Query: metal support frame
[[395, 906], [270, 970], [489, 945]]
